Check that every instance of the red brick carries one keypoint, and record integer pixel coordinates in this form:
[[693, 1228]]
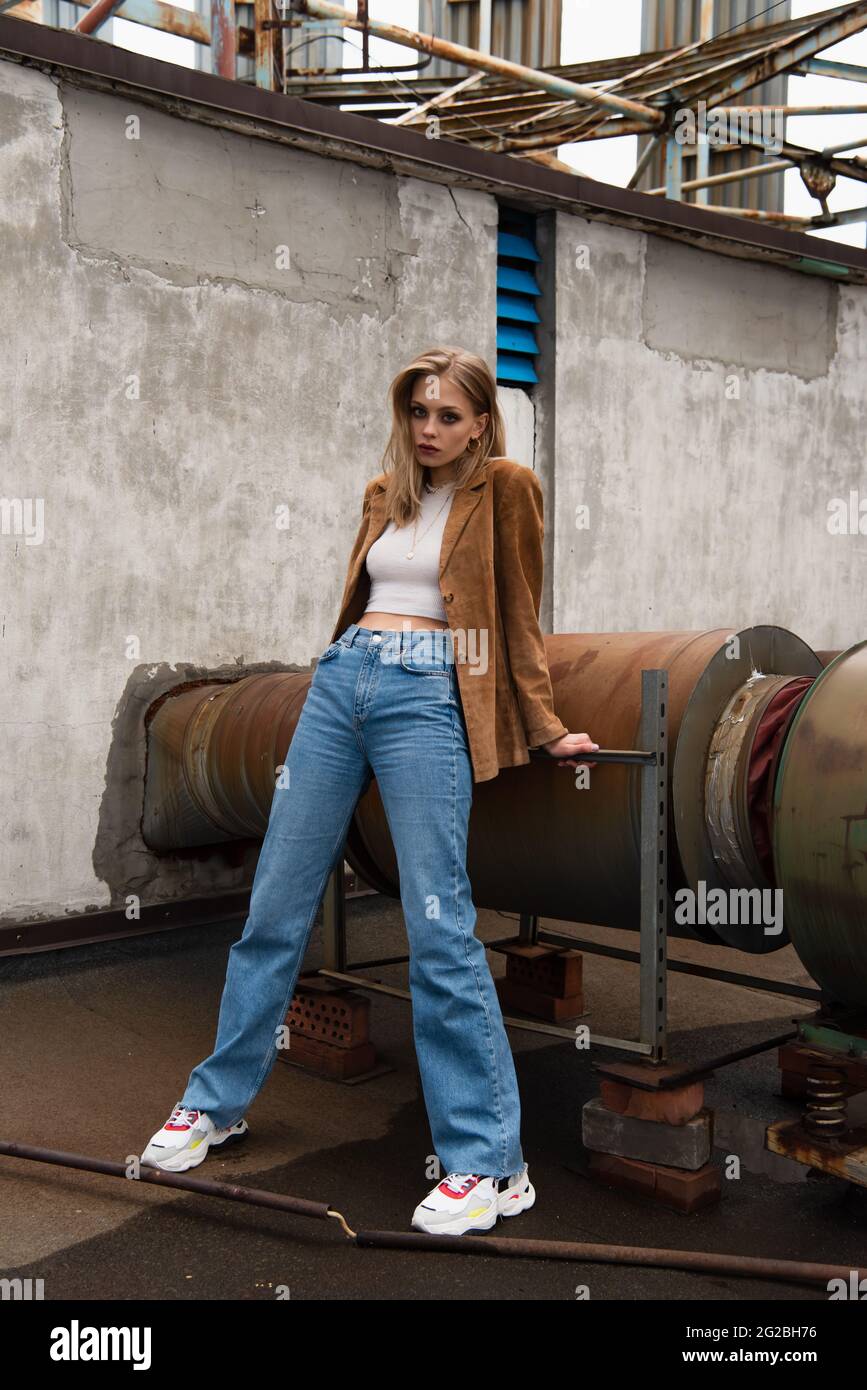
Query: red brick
[[549, 969], [671, 1187], [322, 1008], [530, 1001], [327, 1060], [676, 1106]]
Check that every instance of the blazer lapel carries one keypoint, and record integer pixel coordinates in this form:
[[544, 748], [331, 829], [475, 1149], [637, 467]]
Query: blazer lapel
[[464, 503]]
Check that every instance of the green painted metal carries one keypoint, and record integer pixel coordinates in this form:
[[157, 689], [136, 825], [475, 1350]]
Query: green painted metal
[[834, 1039], [816, 267]]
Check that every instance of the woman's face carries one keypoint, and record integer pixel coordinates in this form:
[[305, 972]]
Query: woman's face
[[442, 420]]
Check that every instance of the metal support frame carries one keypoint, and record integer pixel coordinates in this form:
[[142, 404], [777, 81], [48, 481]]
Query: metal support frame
[[652, 759], [652, 956]]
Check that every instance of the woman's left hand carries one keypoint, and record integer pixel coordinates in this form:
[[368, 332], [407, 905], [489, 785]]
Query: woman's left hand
[[570, 743]]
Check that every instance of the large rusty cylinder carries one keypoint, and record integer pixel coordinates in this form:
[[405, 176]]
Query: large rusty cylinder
[[212, 753], [820, 828], [538, 843]]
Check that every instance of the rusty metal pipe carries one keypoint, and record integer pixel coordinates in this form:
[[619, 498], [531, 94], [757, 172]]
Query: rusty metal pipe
[[251, 1196], [96, 16], [696, 1261], [574, 855]]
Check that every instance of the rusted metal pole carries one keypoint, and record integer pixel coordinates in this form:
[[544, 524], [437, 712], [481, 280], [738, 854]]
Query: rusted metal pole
[[267, 46], [777, 219], [695, 1261], [224, 42], [250, 1196], [711, 180], [96, 16]]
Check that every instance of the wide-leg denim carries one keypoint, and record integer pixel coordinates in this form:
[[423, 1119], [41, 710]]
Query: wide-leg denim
[[381, 704]]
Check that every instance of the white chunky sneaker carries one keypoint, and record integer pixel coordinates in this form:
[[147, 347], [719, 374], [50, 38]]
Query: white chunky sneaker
[[517, 1193], [472, 1202], [185, 1138]]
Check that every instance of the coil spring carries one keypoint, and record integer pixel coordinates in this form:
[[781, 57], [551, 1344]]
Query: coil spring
[[826, 1090]]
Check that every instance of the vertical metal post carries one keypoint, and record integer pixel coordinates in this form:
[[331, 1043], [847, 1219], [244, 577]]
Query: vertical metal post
[[267, 41], [702, 166], [334, 919], [528, 929], [484, 44], [654, 863], [224, 42], [673, 167]]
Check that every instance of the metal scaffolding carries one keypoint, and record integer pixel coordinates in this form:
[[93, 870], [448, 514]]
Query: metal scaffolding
[[689, 100]]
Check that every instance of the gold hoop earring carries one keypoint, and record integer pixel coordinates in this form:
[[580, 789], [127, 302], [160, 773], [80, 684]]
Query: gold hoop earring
[[470, 445]]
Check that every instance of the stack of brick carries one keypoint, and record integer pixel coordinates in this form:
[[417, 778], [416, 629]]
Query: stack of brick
[[655, 1142], [541, 980], [329, 1029]]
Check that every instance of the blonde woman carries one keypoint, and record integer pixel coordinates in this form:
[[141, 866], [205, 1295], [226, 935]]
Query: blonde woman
[[435, 677]]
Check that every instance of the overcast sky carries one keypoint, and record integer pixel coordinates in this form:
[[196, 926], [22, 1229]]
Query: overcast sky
[[593, 30]]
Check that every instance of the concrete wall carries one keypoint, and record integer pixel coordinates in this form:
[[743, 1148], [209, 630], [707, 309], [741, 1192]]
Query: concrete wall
[[167, 390], [708, 411], [176, 385]]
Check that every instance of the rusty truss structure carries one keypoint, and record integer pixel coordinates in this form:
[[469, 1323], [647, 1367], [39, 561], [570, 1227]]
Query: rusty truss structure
[[688, 103]]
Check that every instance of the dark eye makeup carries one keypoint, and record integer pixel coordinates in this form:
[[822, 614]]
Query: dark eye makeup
[[449, 415]]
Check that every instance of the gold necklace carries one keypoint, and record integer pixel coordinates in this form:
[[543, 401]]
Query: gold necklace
[[415, 542]]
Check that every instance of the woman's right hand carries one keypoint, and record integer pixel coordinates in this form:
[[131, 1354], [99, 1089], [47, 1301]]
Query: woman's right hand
[[560, 748]]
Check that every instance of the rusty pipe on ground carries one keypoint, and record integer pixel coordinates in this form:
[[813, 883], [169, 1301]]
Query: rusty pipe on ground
[[695, 1261]]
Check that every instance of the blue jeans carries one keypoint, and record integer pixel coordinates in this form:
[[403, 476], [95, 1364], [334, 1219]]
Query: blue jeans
[[381, 704]]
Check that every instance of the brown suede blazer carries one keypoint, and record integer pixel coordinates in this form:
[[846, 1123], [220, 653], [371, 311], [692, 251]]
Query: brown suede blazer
[[490, 579]]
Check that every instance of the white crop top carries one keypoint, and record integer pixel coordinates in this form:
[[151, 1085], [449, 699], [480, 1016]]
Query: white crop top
[[400, 585]]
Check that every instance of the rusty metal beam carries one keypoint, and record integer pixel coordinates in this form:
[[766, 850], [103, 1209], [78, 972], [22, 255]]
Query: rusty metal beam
[[223, 41], [98, 14], [710, 181], [267, 47], [788, 53], [777, 219]]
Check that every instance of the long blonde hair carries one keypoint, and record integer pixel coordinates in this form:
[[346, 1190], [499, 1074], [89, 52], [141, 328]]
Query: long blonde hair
[[405, 474]]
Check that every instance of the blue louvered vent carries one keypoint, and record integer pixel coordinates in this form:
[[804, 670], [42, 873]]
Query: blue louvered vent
[[517, 291]]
